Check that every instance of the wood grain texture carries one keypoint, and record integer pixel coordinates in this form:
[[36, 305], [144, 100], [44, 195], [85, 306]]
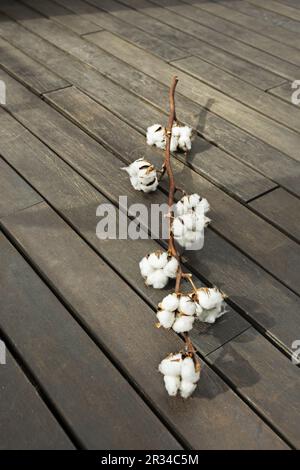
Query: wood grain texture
[[235, 11], [141, 16], [81, 382], [77, 201], [220, 262], [232, 139], [284, 92], [25, 421], [202, 421], [267, 378], [279, 8], [281, 209], [16, 194], [226, 213]]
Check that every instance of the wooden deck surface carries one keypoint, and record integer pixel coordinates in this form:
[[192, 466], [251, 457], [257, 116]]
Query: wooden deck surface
[[83, 81]]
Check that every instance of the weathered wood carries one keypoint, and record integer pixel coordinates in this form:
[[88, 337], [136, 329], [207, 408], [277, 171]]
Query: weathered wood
[[238, 33], [78, 24], [229, 10], [80, 381], [284, 92], [155, 45], [241, 68], [281, 209], [219, 262], [25, 421], [242, 145], [279, 8], [66, 190], [215, 31], [243, 92], [210, 161], [16, 194], [227, 214], [266, 377], [203, 422], [266, 16], [262, 127], [33, 74]]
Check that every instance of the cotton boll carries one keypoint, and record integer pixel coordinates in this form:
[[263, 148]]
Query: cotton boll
[[187, 388], [173, 143], [210, 316], [171, 268], [194, 200], [134, 167], [209, 298], [189, 220], [171, 365], [186, 305], [170, 302], [157, 279], [172, 384], [148, 188], [179, 208], [199, 309], [145, 267], [188, 371], [203, 206], [165, 318], [184, 141], [178, 227], [158, 259], [183, 323], [156, 136]]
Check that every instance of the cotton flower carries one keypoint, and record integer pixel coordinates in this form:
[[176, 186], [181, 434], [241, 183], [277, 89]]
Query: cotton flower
[[211, 301], [170, 302], [177, 312], [143, 176], [183, 323], [165, 318], [157, 268], [180, 138], [192, 202], [180, 373], [186, 305]]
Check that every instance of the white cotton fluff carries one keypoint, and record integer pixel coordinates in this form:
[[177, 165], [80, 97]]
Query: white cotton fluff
[[171, 268], [172, 384], [171, 365], [188, 370], [212, 303], [183, 323], [157, 268], [170, 302], [184, 141], [143, 175], [186, 305], [193, 202], [165, 318], [179, 374], [180, 138], [187, 388]]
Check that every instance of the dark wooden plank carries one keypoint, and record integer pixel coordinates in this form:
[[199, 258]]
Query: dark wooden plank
[[281, 209], [44, 170], [291, 3], [25, 421], [242, 92], [215, 31], [78, 24], [279, 8], [210, 161], [203, 422], [237, 33], [234, 140], [267, 378], [249, 120], [220, 262], [266, 16], [239, 67], [227, 214], [16, 194], [284, 92], [35, 75], [157, 46], [228, 9], [64, 359]]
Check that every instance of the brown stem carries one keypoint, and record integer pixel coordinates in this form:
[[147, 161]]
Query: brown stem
[[172, 189]]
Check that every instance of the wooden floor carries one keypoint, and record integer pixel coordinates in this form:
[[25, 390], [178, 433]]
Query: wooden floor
[[83, 80]]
